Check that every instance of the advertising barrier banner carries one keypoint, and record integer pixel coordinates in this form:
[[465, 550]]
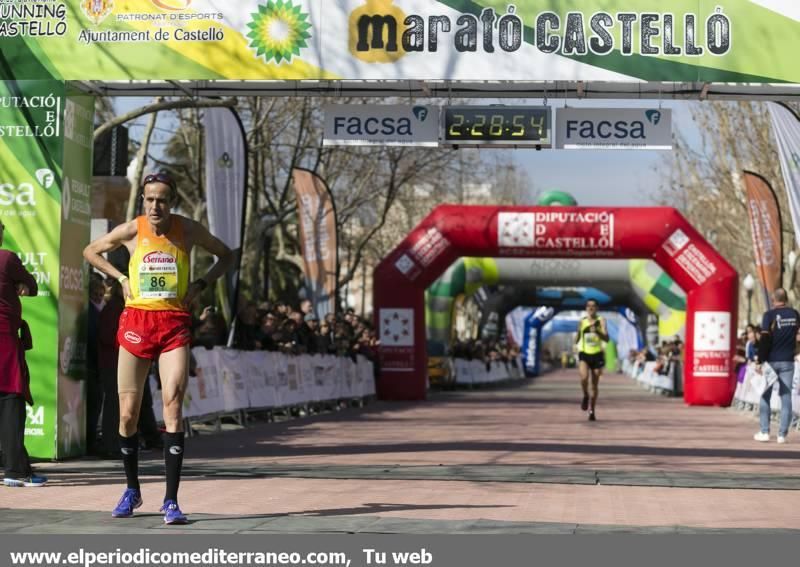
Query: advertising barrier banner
[[461, 40]]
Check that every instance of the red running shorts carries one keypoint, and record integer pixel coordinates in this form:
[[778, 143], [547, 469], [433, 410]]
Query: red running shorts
[[147, 334]]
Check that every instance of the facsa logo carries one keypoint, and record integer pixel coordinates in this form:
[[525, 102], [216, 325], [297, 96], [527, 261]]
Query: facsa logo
[[45, 178], [24, 194], [653, 117], [372, 126], [21, 195], [420, 112], [605, 129]]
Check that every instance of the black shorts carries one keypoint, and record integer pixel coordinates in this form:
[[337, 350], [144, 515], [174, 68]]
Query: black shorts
[[594, 361]]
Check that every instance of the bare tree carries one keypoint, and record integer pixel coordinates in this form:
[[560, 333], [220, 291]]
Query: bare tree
[[376, 190], [705, 179]]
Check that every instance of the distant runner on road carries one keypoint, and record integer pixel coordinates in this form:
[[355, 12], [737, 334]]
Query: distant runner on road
[[592, 332]]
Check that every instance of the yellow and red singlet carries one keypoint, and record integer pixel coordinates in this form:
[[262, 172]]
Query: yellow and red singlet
[[159, 268]]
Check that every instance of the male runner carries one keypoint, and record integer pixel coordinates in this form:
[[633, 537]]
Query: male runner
[[155, 325], [592, 332]]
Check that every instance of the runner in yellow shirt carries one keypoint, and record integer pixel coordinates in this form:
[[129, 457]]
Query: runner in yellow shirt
[[592, 332], [156, 325]]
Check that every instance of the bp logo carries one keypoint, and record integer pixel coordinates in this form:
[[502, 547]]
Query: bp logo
[[279, 30], [97, 10]]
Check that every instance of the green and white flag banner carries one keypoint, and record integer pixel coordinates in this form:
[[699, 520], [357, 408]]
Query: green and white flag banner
[[743, 41]]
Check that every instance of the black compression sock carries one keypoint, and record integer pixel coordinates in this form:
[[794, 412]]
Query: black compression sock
[[173, 461], [129, 447]]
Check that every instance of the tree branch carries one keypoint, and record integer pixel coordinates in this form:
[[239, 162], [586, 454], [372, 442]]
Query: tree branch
[[158, 106]]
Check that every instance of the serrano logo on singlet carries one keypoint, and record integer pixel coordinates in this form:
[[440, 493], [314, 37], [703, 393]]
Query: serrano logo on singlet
[[132, 337], [158, 257]]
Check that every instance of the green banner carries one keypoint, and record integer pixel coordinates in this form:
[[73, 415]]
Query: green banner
[[72, 302], [459, 40], [34, 118], [30, 203]]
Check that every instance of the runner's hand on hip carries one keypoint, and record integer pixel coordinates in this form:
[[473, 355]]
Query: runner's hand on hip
[[126, 289]]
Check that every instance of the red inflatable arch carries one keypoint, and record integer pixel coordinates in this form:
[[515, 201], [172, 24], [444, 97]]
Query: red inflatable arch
[[453, 231]]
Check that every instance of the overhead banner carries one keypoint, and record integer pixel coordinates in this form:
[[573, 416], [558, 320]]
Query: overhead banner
[[459, 40], [614, 128], [226, 183], [765, 225], [381, 125], [787, 132], [318, 239]]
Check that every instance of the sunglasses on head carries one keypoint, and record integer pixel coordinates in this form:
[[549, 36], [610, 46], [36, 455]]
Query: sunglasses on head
[[164, 178]]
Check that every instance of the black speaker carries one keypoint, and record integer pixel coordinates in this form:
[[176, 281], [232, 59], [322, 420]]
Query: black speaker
[[111, 153]]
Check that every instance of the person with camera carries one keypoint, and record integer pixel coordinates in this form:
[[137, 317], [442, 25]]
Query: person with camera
[[15, 282], [156, 325], [592, 332]]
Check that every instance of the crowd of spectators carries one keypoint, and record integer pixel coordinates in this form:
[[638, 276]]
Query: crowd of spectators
[[747, 346], [485, 350], [665, 355], [279, 327]]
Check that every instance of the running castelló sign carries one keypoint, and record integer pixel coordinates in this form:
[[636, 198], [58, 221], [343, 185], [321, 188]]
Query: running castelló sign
[[462, 40], [452, 231]]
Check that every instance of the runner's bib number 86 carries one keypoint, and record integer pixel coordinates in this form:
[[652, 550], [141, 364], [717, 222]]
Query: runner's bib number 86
[[159, 280]]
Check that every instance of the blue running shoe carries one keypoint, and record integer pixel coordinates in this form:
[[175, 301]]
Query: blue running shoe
[[173, 514], [29, 482], [131, 499]]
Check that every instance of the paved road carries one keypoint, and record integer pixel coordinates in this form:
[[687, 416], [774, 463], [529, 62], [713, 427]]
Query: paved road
[[519, 459]]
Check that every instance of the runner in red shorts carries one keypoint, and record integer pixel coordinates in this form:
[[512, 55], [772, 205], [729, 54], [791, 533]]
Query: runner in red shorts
[[156, 325]]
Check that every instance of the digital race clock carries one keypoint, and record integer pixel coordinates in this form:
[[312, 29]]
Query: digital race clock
[[506, 125]]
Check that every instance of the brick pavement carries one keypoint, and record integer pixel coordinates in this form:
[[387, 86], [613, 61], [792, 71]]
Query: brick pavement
[[510, 460]]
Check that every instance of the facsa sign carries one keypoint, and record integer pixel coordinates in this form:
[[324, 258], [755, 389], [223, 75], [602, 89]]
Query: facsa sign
[[381, 125], [614, 128]]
